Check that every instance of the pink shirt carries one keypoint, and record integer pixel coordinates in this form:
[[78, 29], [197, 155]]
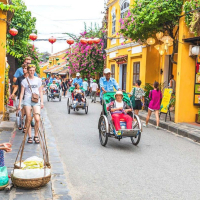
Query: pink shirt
[[155, 97]]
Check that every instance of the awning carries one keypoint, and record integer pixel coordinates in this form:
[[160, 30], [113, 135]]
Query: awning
[[193, 40], [121, 59], [64, 72]]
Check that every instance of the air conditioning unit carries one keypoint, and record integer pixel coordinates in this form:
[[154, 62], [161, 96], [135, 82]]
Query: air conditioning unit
[[194, 50]]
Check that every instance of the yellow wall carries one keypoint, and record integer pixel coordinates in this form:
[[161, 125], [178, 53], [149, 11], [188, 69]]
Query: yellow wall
[[185, 110], [2, 57]]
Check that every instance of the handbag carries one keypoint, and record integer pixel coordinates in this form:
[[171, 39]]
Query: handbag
[[34, 97], [133, 98]]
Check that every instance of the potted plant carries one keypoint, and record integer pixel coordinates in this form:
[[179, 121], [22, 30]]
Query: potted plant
[[198, 117], [147, 88]]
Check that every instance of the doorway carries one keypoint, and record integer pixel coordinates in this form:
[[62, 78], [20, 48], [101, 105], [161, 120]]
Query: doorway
[[168, 70], [122, 76]]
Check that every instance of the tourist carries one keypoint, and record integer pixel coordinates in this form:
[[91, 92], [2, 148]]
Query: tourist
[[85, 86], [94, 87], [64, 87], [154, 106], [32, 86], [172, 84], [137, 96]]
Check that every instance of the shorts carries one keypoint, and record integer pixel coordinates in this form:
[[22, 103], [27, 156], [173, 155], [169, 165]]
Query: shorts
[[152, 110], [28, 102], [138, 105]]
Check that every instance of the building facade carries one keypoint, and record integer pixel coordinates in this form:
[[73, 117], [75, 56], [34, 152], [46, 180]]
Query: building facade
[[132, 61]]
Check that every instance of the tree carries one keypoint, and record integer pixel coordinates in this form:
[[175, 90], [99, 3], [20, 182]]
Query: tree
[[87, 59], [25, 24]]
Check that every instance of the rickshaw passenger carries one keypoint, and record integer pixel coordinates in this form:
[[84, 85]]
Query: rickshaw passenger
[[78, 93], [54, 86], [119, 110]]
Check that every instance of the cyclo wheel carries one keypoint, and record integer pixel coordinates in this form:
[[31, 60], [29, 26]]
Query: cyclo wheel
[[103, 130], [135, 140], [68, 106], [47, 96], [86, 109], [59, 97]]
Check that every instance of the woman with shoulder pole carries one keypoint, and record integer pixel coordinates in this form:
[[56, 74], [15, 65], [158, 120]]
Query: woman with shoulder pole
[[154, 105], [31, 89]]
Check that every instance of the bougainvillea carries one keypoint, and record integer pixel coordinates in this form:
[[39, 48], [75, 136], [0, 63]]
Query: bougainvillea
[[145, 18]]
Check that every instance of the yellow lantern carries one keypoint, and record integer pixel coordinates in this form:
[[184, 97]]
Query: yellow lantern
[[170, 44], [161, 52], [157, 47], [151, 41], [167, 39], [159, 35]]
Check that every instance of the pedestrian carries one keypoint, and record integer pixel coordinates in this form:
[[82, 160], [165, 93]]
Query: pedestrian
[[52, 78], [85, 86], [107, 84], [137, 95], [94, 87], [64, 87], [32, 86], [154, 106], [172, 84], [43, 86], [78, 80], [58, 81], [18, 87]]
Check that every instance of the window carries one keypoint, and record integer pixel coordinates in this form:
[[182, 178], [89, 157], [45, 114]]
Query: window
[[136, 72], [124, 8], [113, 14], [113, 23], [113, 71]]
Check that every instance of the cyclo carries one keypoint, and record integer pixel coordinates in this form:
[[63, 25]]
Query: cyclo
[[73, 104], [53, 93], [107, 128]]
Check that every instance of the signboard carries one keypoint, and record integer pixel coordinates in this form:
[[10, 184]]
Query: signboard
[[166, 100], [197, 83]]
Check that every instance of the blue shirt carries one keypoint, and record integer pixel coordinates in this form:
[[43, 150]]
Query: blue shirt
[[51, 80], [78, 80], [85, 85], [19, 72], [108, 85]]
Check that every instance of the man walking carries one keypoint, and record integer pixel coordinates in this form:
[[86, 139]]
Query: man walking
[[107, 84], [78, 80], [94, 88], [85, 86]]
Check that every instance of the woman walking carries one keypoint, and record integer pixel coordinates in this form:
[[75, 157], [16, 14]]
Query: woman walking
[[154, 105], [137, 95], [64, 87], [31, 89]]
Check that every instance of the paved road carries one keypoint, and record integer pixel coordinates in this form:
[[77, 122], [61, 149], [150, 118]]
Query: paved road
[[163, 166]]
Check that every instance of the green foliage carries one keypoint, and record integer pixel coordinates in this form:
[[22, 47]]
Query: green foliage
[[172, 101], [25, 24], [7, 7], [199, 112], [145, 18], [6, 95], [192, 18]]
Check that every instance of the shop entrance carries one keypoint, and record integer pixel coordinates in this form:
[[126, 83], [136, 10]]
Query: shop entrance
[[168, 70], [122, 76]]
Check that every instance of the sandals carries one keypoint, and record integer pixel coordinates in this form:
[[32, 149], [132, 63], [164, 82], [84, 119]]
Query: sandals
[[30, 140], [24, 130], [36, 139]]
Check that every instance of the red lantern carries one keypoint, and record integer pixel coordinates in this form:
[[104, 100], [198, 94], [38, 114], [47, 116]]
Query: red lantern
[[70, 41], [33, 37], [52, 40], [96, 40], [83, 41], [13, 32], [90, 41]]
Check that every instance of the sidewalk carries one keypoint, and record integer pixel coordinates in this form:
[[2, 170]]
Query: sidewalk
[[57, 187], [191, 131]]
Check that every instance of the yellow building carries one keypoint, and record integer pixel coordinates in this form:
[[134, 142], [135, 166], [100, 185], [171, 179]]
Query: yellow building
[[3, 29], [55, 59], [131, 61]]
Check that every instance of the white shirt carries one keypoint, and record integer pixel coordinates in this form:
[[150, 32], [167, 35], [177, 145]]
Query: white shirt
[[54, 86], [35, 84], [119, 104], [94, 87]]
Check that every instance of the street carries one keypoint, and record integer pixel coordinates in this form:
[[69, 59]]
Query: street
[[162, 166]]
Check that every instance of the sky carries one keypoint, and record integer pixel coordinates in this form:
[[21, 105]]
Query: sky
[[56, 17]]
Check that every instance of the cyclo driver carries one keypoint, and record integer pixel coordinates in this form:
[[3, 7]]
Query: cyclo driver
[[107, 84]]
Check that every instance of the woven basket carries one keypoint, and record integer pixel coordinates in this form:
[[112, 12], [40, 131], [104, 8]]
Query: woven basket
[[4, 186], [30, 183]]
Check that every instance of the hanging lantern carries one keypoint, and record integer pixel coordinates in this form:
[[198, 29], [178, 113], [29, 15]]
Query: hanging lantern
[[58, 63], [83, 41], [52, 40], [96, 40], [157, 47], [47, 57], [196, 50], [42, 60], [90, 41], [161, 52], [151, 41], [170, 44], [57, 59], [159, 35], [13, 32], [167, 39], [70, 41], [50, 61], [33, 37]]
